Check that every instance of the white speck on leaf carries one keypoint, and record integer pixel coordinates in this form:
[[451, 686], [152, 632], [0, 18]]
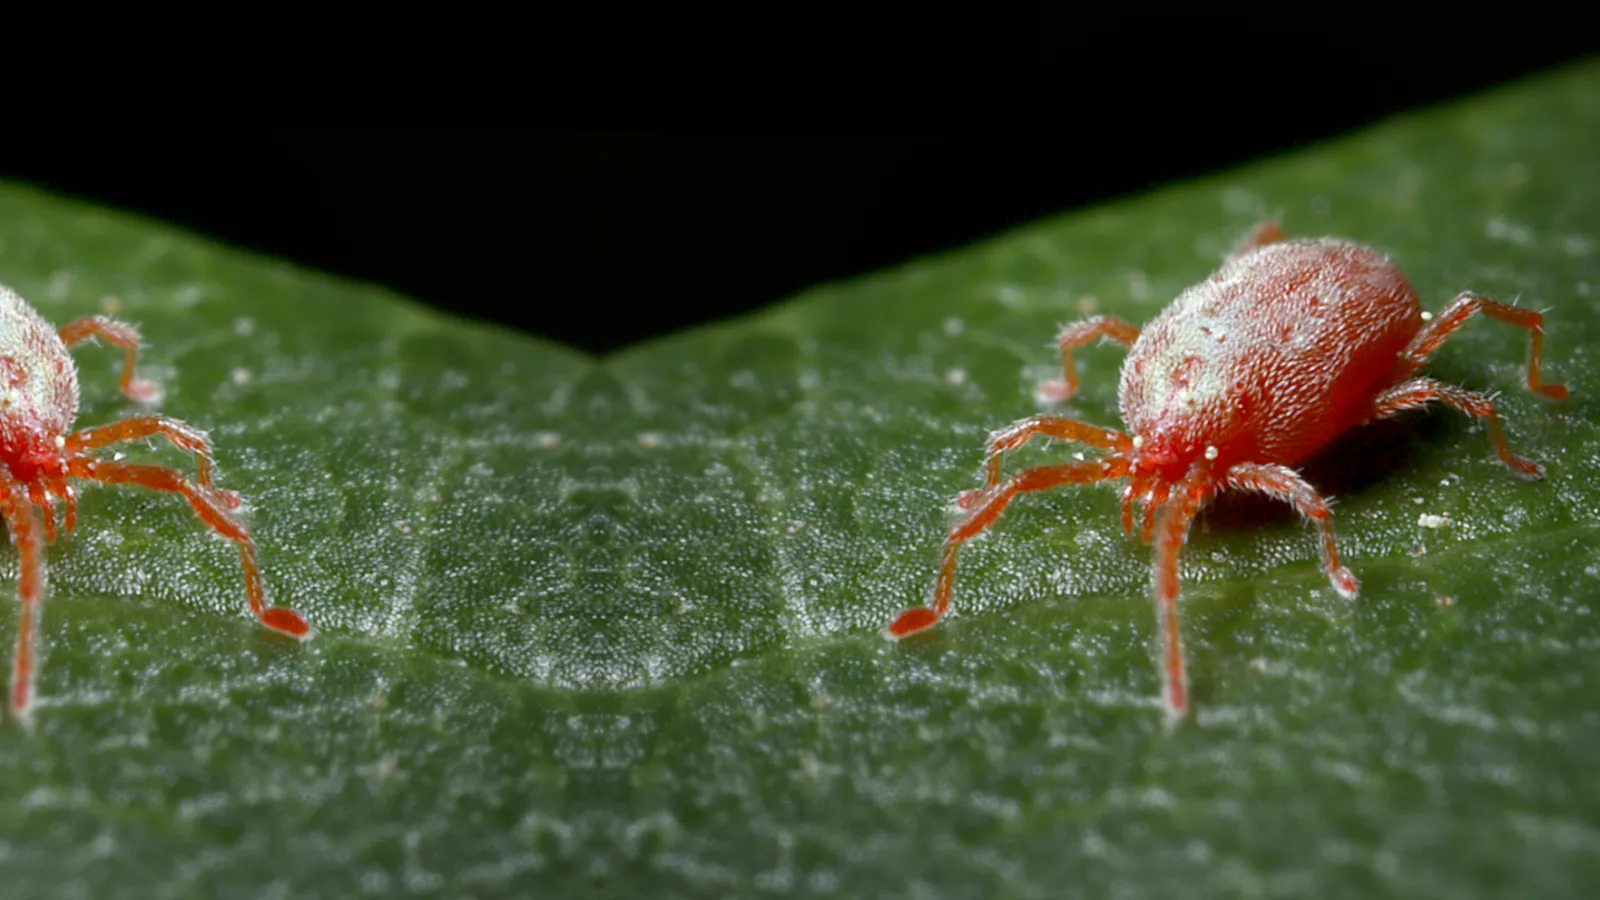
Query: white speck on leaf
[[1501, 229], [1008, 295]]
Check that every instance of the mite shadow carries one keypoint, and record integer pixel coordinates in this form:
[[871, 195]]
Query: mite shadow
[[1360, 458]]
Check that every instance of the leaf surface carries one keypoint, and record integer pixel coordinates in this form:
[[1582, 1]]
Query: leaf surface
[[615, 625]]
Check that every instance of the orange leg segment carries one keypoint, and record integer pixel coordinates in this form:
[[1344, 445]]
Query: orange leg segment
[[1133, 490], [1464, 307], [1268, 232], [214, 512], [1077, 335], [23, 521], [1172, 530], [1419, 391], [1153, 501], [39, 496], [1283, 483], [1039, 478], [117, 334], [69, 498], [1020, 432], [183, 435]]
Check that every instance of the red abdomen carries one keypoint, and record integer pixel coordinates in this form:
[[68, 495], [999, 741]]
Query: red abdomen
[[1272, 357]]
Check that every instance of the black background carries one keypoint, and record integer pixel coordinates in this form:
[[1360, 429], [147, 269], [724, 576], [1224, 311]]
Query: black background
[[669, 209]]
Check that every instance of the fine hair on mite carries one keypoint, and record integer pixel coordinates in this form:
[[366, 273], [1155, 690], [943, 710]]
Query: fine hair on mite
[[1287, 346]]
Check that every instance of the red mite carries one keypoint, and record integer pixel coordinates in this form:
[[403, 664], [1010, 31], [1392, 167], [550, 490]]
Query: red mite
[[1287, 346], [40, 452]]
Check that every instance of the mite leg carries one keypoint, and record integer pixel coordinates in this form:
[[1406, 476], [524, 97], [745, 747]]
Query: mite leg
[[1172, 530], [23, 520], [1040, 478], [39, 496], [1464, 307], [214, 513], [1077, 335], [44, 494], [1268, 232], [1020, 432], [1283, 483], [1419, 391], [183, 435], [117, 334], [1152, 502], [1134, 490], [69, 497]]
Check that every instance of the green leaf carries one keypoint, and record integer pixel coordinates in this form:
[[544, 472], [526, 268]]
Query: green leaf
[[615, 625]]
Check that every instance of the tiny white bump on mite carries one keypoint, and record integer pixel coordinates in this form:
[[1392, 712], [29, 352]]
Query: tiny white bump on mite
[[1211, 453], [61, 441], [1427, 316], [1138, 441], [1186, 397]]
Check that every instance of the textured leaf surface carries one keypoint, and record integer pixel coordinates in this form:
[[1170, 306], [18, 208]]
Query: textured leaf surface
[[615, 625]]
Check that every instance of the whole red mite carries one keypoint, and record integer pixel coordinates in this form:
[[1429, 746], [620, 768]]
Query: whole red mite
[[1287, 346], [39, 453]]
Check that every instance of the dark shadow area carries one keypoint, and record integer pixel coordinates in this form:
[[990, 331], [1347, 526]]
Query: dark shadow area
[[1359, 459], [599, 239]]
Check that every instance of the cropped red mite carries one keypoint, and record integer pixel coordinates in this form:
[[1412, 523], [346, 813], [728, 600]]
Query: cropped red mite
[[40, 452], [1287, 346]]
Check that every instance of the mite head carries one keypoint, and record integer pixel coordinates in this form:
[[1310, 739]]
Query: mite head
[[1162, 456], [33, 454]]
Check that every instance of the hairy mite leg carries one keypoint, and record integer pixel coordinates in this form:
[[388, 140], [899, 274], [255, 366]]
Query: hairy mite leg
[[181, 434], [1130, 492], [1419, 391], [1283, 483], [1077, 335], [118, 334], [1152, 502], [69, 500], [1172, 531], [1464, 307], [39, 496], [1020, 432], [23, 521], [1039, 478], [43, 494], [214, 513], [1268, 232], [60, 489]]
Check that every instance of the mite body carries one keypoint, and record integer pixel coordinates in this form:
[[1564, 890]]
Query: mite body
[[1287, 346], [40, 455]]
